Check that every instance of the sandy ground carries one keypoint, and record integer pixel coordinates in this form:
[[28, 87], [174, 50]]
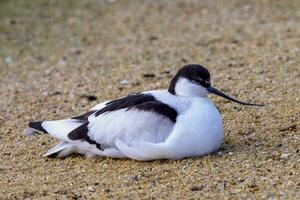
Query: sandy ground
[[57, 57]]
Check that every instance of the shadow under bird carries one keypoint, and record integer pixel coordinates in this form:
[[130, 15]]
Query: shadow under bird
[[159, 124]]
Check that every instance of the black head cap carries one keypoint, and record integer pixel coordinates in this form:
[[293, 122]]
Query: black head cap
[[193, 72]]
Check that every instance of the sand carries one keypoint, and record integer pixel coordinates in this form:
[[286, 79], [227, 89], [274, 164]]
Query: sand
[[59, 58]]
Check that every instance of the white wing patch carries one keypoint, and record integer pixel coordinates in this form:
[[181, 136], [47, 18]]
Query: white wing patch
[[130, 126]]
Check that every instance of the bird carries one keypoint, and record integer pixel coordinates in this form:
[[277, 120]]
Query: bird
[[173, 123]]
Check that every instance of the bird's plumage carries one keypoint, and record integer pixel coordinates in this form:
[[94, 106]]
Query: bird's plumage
[[160, 124]]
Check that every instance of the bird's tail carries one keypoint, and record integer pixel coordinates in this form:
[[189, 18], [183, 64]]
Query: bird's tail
[[58, 129], [71, 132]]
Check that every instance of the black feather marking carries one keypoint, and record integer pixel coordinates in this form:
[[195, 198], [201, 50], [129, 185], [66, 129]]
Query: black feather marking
[[159, 108], [81, 133], [84, 117], [89, 140], [126, 102], [37, 126]]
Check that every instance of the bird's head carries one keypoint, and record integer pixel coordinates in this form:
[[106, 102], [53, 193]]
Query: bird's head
[[194, 80]]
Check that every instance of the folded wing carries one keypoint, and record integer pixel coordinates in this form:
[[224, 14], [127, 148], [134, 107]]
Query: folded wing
[[134, 118]]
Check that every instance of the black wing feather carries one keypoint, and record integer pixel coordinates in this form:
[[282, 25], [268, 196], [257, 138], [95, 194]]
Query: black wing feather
[[81, 133], [159, 108], [125, 102]]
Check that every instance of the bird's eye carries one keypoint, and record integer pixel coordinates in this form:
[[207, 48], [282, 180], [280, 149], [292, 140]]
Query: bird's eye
[[199, 81]]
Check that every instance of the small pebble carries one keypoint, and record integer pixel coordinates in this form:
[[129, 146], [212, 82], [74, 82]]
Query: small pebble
[[150, 75], [89, 97], [134, 178], [153, 38], [197, 188], [285, 155], [124, 82], [279, 145], [46, 93], [91, 189], [8, 60]]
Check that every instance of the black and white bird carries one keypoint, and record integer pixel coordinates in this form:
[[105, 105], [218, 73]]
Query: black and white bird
[[160, 124]]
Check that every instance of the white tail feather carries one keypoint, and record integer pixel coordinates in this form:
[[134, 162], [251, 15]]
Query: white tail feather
[[61, 128]]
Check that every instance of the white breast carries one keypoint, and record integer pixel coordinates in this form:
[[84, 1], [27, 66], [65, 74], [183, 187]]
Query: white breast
[[199, 130]]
